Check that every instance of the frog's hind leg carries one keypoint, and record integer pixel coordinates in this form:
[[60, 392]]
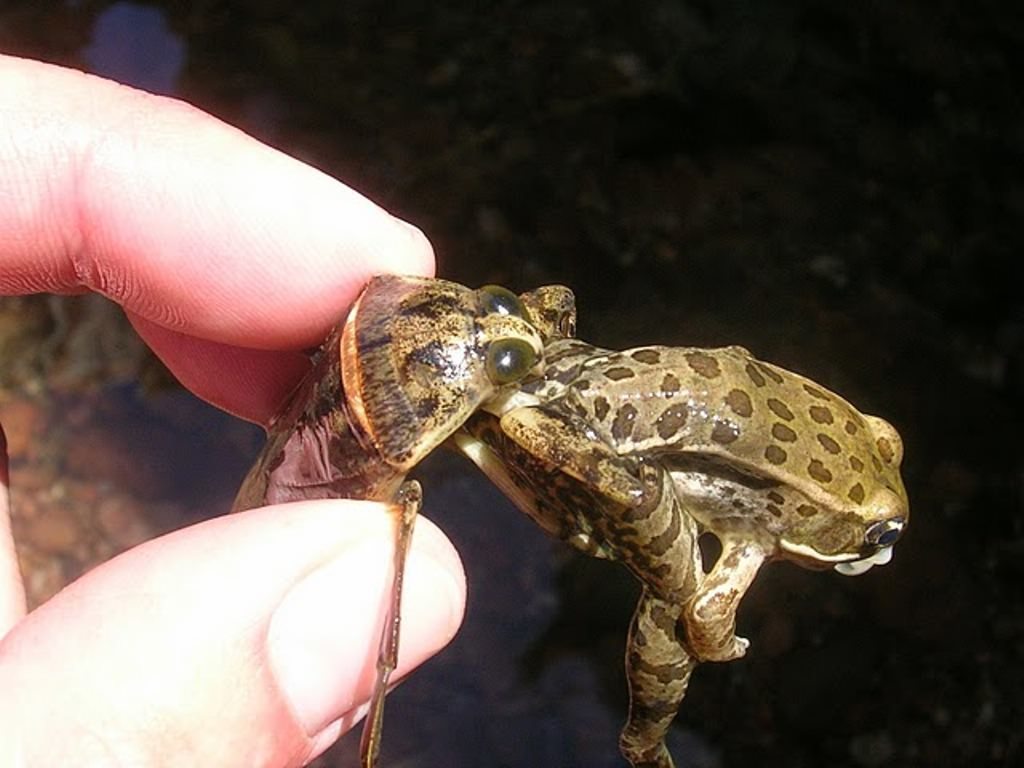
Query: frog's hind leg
[[658, 668], [407, 505]]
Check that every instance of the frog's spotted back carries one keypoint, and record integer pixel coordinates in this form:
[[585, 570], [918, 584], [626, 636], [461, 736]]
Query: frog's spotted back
[[724, 402]]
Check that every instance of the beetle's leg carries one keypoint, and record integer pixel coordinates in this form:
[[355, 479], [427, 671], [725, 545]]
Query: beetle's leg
[[658, 669], [634, 512], [533, 462], [407, 504], [577, 488], [710, 616], [566, 441]]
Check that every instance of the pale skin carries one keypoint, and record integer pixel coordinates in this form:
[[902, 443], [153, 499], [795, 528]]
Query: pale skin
[[251, 639]]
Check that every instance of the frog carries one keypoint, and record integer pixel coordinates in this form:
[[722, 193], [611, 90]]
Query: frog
[[634, 455], [413, 358]]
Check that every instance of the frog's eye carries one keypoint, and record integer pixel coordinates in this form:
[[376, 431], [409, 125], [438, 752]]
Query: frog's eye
[[567, 325], [509, 360], [501, 301], [884, 533]]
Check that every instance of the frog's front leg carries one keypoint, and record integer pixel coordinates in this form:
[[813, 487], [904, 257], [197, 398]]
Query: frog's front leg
[[658, 669], [566, 440], [634, 513], [710, 615]]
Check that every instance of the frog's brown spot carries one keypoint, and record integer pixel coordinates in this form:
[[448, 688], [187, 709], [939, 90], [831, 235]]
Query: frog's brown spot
[[857, 493], [850, 427], [876, 463], [724, 433], [856, 464], [755, 375], [670, 384], [739, 402], [601, 407], [619, 372], [819, 472], [780, 409], [703, 364], [775, 455], [776, 512], [580, 410], [625, 419], [775, 496], [666, 621], [649, 356], [816, 393], [567, 375], [782, 432], [885, 449], [771, 373], [662, 543], [807, 510], [671, 420], [821, 414], [581, 385], [829, 444], [567, 350]]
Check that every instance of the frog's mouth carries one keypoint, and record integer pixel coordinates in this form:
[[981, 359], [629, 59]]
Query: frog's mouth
[[857, 567], [841, 563]]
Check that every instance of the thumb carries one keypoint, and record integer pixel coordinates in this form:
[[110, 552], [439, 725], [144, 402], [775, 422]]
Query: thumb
[[247, 640]]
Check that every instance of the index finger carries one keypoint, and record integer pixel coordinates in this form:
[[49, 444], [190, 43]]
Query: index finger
[[194, 227]]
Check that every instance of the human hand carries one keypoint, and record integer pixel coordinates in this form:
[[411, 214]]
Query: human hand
[[249, 639]]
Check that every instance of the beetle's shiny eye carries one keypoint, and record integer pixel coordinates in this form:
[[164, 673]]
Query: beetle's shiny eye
[[567, 325], [884, 533], [501, 301], [509, 360]]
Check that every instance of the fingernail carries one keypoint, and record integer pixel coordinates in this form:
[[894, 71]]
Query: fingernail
[[419, 248], [325, 634]]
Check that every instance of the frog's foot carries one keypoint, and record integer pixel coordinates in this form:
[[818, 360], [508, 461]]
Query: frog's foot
[[733, 648], [710, 616], [710, 632]]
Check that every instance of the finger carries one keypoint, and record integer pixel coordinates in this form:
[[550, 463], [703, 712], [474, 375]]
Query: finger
[[185, 221], [250, 383], [235, 642]]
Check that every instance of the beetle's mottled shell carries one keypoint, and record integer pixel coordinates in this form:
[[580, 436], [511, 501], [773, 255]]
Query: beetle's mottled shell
[[403, 372], [407, 361]]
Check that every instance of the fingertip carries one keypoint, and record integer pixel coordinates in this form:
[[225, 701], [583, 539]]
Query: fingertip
[[419, 254], [325, 635]]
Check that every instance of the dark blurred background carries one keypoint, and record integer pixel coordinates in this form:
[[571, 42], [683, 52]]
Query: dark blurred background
[[836, 186]]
